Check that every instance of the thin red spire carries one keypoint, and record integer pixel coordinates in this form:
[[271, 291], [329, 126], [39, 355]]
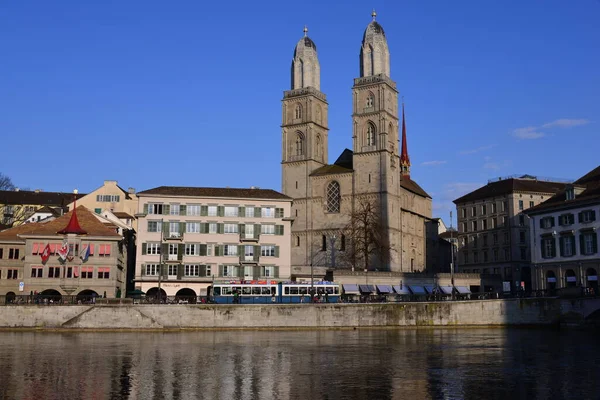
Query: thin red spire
[[73, 225], [404, 158]]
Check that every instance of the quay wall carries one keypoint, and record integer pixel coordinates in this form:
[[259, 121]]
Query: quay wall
[[540, 311]]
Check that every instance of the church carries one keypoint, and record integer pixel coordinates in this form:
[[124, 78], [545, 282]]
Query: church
[[375, 173]]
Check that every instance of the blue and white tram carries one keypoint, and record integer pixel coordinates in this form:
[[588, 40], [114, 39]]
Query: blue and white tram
[[272, 292]]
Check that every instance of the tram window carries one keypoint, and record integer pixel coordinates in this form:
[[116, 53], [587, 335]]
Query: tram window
[[217, 291], [329, 290], [266, 291], [287, 290], [226, 291], [293, 290], [247, 290], [273, 290], [337, 290], [236, 289], [255, 290], [303, 290], [321, 290]]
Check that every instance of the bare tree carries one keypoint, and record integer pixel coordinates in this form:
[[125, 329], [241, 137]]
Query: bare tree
[[6, 182], [366, 233]]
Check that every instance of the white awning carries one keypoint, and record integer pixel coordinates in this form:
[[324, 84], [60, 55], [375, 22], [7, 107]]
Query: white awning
[[463, 290], [446, 289]]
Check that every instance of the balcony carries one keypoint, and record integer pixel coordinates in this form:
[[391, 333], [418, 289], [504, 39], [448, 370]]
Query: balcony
[[169, 236], [249, 237], [249, 258]]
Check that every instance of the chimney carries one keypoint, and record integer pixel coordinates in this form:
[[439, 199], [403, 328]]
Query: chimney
[[131, 190]]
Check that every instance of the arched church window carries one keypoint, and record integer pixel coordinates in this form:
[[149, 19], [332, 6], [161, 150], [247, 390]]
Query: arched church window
[[370, 134], [298, 111], [370, 100], [318, 146], [333, 197], [299, 144]]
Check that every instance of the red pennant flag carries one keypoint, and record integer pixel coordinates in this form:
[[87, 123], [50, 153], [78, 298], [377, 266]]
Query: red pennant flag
[[45, 254]]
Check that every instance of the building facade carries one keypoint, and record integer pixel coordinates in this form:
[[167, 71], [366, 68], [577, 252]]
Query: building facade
[[564, 237], [493, 229], [189, 237], [23, 270], [375, 172]]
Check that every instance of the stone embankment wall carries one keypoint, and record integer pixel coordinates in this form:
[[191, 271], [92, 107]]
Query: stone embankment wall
[[313, 316]]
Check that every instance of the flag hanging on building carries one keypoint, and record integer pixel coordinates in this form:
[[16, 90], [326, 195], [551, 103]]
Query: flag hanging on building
[[63, 252], [85, 253], [45, 254]]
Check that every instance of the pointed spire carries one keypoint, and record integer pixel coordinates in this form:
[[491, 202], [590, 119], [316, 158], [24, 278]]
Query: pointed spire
[[73, 225], [404, 159]]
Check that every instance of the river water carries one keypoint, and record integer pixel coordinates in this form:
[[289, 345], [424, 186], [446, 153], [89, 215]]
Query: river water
[[342, 364]]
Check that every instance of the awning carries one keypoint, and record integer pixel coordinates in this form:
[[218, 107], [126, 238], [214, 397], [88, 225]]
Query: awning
[[552, 280], [430, 289], [446, 289], [571, 279], [592, 277], [403, 291], [463, 289], [366, 289], [350, 288], [385, 289], [417, 289]]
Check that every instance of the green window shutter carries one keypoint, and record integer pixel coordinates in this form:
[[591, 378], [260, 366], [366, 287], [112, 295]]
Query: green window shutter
[[218, 250], [183, 209], [279, 213], [552, 221], [180, 251], [279, 230], [164, 251], [146, 208], [553, 247], [202, 249], [221, 211], [580, 216], [143, 271], [571, 219], [561, 242], [256, 231], [181, 228], [275, 272], [166, 209], [220, 270], [241, 211], [595, 242], [165, 271], [541, 222], [220, 228], [202, 270], [144, 246], [203, 211], [256, 252], [276, 251], [241, 251], [242, 229], [165, 228], [257, 212]]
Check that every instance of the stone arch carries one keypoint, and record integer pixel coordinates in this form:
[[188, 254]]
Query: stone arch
[[298, 111], [333, 197], [51, 295], [370, 134], [550, 280], [591, 278], [570, 278], [10, 297], [299, 144], [155, 294], [87, 296], [186, 295]]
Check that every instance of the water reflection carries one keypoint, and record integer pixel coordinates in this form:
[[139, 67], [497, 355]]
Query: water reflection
[[377, 364]]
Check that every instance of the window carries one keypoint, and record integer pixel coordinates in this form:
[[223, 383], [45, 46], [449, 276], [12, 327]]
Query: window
[[494, 208], [249, 212], [505, 237], [333, 197], [531, 204], [464, 212], [230, 228], [495, 238], [229, 270], [484, 224], [174, 229], [172, 271], [370, 134], [567, 246], [193, 210], [547, 222], [279, 212], [152, 248], [504, 220], [36, 272], [485, 256], [230, 250], [12, 273], [104, 273], [474, 226], [192, 227], [269, 272], [473, 211], [521, 220], [152, 269], [522, 237], [267, 251], [208, 270], [191, 270], [464, 226], [504, 206], [191, 249], [475, 240], [96, 210], [154, 226], [299, 144], [155, 208], [520, 205], [231, 211], [173, 250], [370, 99], [298, 111], [485, 240], [566, 219], [53, 272], [212, 211], [324, 243], [587, 216], [267, 229], [107, 198], [494, 223], [570, 193], [548, 247], [506, 255], [475, 257], [483, 209], [87, 272], [297, 241], [267, 212], [13, 254], [175, 209], [589, 243], [495, 254], [212, 227]]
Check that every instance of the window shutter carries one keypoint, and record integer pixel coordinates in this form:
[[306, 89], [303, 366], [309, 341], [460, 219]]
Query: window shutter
[[571, 219], [166, 209], [594, 242], [202, 270], [180, 268], [165, 271], [553, 247], [180, 251], [143, 271], [256, 252], [220, 228], [241, 251], [581, 244], [257, 212], [144, 246], [220, 270], [218, 250], [561, 242], [279, 230], [146, 208], [241, 211], [541, 222], [202, 249], [203, 211], [181, 228], [220, 211], [242, 229], [165, 229], [276, 251], [275, 272], [256, 231], [183, 209], [164, 251], [551, 221], [580, 216]]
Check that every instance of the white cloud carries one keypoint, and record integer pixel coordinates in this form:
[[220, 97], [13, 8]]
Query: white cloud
[[477, 150], [566, 123], [432, 163], [530, 132], [491, 165]]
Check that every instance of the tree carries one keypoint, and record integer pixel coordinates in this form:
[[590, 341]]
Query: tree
[[6, 182], [366, 234]]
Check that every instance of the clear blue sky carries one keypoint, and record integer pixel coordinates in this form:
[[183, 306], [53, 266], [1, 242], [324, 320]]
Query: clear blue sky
[[188, 93]]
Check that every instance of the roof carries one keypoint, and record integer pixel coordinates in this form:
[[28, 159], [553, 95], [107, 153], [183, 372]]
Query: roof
[[47, 210], [373, 29], [412, 186], [590, 183], [87, 221], [56, 199], [342, 165], [215, 192], [506, 186], [122, 215]]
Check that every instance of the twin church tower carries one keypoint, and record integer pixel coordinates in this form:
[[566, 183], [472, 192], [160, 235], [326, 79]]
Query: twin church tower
[[375, 171]]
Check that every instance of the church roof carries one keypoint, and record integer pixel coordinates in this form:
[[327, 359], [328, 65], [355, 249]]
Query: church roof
[[342, 165], [412, 186], [305, 42], [373, 29]]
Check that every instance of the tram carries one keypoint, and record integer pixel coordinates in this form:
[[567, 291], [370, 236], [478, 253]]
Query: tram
[[267, 292]]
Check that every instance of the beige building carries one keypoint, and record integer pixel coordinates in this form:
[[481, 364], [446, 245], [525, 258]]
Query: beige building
[[23, 271], [111, 197], [199, 235], [493, 230], [375, 171]]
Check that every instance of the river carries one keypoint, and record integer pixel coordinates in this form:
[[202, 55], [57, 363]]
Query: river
[[339, 364]]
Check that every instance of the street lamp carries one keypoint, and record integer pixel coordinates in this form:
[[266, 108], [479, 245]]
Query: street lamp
[[451, 256]]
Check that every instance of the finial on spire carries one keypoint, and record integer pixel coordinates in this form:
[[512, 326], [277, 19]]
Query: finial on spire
[[305, 31], [373, 14]]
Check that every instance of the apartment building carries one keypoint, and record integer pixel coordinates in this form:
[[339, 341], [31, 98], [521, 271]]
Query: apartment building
[[18, 206], [493, 230], [564, 236], [189, 237], [93, 265]]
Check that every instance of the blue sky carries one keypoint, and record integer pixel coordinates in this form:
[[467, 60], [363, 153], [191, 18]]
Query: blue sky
[[189, 93]]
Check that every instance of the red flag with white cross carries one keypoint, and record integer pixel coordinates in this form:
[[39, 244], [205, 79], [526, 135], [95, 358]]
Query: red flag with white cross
[[45, 254]]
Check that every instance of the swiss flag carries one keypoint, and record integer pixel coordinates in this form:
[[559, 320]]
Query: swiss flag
[[45, 254]]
